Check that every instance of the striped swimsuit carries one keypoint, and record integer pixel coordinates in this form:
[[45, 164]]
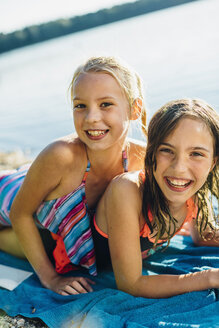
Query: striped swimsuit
[[66, 216], [10, 182]]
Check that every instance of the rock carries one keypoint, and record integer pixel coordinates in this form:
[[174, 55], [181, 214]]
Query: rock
[[20, 323], [12, 160]]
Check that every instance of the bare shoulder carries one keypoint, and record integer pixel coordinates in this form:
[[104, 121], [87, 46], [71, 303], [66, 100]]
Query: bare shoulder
[[121, 203], [56, 164], [125, 188], [127, 178], [67, 148], [61, 153], [136, 154]]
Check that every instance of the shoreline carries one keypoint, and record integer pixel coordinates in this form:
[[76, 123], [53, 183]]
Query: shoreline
[[64, 26]]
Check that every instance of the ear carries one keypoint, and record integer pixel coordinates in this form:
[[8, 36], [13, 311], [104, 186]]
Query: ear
[[136, 108]]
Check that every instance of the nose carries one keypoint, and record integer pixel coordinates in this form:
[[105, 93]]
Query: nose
[[179, 163], [93, 115]]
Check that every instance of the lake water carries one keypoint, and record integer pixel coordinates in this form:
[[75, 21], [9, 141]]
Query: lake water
[[176, 52]]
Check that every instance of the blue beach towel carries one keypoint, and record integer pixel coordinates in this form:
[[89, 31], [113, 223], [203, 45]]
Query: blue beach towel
[[108, 307]]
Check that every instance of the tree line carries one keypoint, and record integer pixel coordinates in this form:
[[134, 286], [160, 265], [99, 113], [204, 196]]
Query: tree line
[[46, 31]]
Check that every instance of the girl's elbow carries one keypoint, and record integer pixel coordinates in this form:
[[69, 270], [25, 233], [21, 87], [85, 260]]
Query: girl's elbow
[[197, 241], [196, 238], [132, 288], [14, 215]]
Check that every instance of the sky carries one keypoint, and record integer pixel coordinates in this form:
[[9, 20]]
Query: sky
[[16, 14]]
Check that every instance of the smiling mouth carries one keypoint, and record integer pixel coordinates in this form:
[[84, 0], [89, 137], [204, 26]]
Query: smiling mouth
[[95, 134], [178, 184]]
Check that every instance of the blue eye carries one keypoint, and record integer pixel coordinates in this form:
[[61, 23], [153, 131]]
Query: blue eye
[[106, 104], [166, 150], [197, 154], [79, 106]]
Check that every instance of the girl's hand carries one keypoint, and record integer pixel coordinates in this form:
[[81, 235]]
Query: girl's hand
[[70, 285]]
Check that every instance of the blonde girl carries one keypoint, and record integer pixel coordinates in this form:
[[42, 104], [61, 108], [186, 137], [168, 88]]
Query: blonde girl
[[141, 210], [63, 185]]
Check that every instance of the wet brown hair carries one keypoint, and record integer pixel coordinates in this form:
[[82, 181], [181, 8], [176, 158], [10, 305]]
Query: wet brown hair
[[161, 125]]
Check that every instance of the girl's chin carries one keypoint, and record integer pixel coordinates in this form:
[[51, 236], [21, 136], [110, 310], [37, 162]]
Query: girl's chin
[[177, 198], [179, 202]]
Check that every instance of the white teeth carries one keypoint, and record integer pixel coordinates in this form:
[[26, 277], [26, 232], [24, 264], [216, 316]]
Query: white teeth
[[95, 133], [178, 183]]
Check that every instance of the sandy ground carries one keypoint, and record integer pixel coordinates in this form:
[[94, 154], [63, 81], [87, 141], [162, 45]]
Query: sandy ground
[[13, 160]]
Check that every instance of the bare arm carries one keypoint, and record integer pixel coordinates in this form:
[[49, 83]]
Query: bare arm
[[123, 211], [43, 177]]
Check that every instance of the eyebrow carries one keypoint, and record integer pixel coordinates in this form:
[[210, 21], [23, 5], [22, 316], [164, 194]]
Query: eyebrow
[[76, 98], [101, 98], [193, 148]]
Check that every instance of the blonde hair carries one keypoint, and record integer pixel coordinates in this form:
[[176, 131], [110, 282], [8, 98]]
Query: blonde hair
[[127, 78]]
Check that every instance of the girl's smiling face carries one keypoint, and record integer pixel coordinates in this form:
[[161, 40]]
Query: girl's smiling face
[[101, 110], [184, 160]]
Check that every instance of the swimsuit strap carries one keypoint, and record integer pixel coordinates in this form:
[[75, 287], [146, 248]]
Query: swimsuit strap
[[124, 164], [86, 171], [87, 168], [125, 161]]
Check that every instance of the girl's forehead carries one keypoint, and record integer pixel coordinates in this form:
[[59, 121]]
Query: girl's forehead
[[191, 130], [94, 80], [193, 123], [97, 82], [93, 76]]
